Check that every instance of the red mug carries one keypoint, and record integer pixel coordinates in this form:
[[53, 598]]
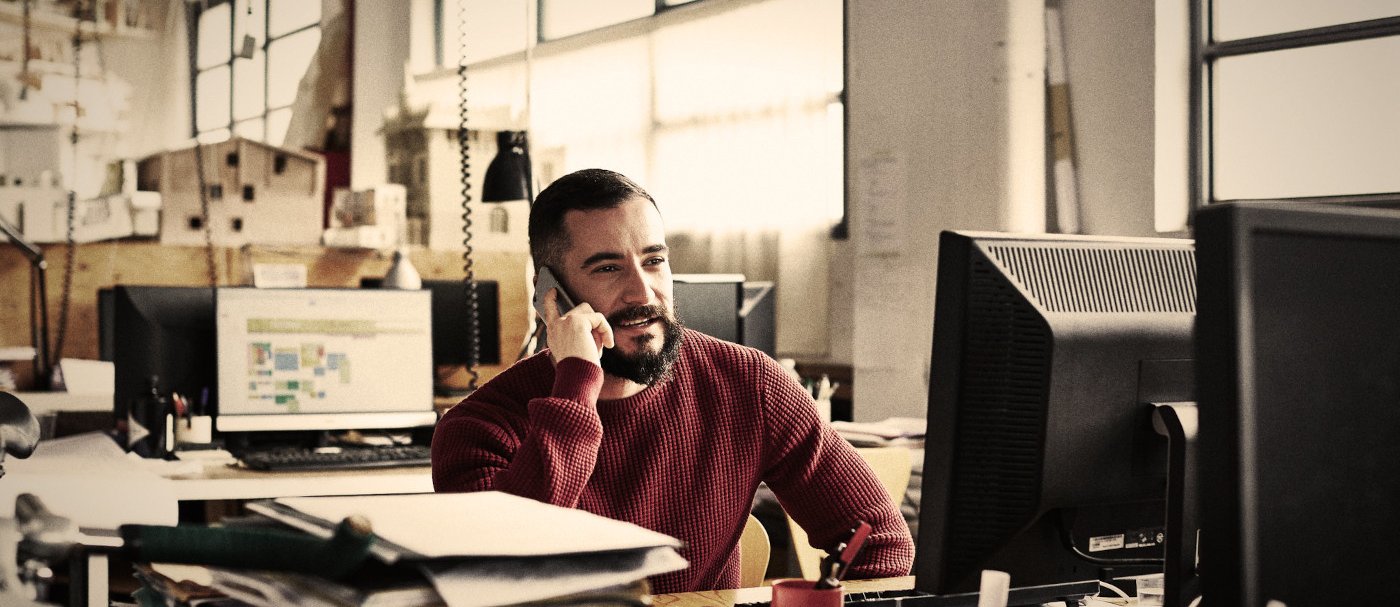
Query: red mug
[[802, 593]]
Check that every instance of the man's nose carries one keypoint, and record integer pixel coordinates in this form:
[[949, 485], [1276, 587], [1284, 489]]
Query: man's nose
[[636, 289]]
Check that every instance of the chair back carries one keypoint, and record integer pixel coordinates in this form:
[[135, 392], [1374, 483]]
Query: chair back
[[753, 554]]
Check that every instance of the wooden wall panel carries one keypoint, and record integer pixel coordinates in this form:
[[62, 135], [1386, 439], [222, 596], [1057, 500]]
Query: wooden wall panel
[[106, 264]]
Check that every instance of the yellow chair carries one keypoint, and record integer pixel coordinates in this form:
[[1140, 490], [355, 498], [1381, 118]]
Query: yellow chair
[[753, 554], [891, 466]]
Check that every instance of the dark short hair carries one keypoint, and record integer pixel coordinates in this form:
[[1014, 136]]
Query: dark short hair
[[581, 190]]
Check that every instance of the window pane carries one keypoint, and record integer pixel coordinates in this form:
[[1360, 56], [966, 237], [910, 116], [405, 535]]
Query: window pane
[[277, 122], [564, 17], [211, 99], [765, 62], [1235, 19], [287, 60], [248, 87], [287, 15], [213, 36], [250, 129], [1315, 121], [493, 28], [249, 24], [214, 136]]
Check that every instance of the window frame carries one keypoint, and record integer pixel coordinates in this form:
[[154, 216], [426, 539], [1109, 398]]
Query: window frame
[[192, 29], [1206, 50]]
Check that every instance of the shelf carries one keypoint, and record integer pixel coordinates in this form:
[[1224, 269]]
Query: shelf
[[13, 12]]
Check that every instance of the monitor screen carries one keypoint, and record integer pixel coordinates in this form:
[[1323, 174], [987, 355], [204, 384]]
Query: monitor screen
[[1299, 355], [323, 359], [166, 333], [1041, 459]]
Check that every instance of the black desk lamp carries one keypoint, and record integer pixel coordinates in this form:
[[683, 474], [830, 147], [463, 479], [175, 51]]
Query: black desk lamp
[[508, 177], [38, 304]]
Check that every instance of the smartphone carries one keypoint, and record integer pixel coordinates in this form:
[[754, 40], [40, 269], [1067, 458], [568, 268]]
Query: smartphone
[[546, 282]]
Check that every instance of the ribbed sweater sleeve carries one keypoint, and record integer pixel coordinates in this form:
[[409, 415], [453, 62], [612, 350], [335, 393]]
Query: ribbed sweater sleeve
[[825, 485], [546, 454]]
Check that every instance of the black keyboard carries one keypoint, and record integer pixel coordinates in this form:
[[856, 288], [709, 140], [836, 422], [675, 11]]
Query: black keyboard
[[336, 458], [1024, 596]]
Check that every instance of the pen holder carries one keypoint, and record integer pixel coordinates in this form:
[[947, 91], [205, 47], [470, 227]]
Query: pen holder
[[803, 593]]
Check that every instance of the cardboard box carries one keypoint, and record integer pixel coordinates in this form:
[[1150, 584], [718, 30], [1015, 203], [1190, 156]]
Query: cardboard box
[[372, 218], [258, 194]]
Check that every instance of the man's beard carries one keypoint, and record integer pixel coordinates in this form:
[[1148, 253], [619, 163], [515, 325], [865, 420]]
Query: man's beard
[[645, 367]]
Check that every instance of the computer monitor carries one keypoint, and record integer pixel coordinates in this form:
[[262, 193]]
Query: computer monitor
[[1299, 372], [728, 307], [451, 305], [166, 333], [106, 324], [323, 359], [1041, 459]]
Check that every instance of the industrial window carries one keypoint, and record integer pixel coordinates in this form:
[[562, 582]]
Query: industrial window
[[1296, 100], [247, 59]]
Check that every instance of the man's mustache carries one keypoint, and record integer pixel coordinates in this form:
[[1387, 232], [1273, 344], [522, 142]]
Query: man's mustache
[[638, 313]]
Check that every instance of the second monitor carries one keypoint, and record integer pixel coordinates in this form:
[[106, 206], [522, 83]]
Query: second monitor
[[1047, 354]]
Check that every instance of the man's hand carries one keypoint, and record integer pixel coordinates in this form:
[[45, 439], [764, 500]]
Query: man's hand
[[579, 332]]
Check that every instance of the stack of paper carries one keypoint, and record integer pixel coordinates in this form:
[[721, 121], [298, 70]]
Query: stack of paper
[[491, 548], [892, 431]]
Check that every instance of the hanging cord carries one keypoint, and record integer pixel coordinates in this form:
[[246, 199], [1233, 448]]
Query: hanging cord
[[538, 330], [66, 300], [24, 55], [464, 145], [210, 266]]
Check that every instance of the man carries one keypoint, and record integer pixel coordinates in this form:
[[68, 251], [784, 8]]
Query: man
[[632, 416]]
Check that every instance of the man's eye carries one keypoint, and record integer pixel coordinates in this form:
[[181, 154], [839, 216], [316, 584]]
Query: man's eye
[[601, 269], [656, 261]]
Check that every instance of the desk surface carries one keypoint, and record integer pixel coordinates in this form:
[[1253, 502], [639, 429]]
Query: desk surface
[[223, 482], [727, 598]]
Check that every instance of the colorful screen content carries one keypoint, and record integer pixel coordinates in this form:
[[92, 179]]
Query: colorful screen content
[[317, 358]]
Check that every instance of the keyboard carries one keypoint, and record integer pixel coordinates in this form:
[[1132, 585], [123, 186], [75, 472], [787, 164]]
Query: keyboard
[[336, 458], [1024, 596]]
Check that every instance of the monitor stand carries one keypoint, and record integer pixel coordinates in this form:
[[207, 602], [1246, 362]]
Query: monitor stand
[[1177, 421]]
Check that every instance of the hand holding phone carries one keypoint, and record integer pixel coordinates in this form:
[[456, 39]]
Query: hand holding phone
[[545, 282], [572, 330]]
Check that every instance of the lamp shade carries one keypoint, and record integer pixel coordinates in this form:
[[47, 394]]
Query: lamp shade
[[508, 176]]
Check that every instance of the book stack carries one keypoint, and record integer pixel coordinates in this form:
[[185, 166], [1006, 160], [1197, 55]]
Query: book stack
[[459, 550]]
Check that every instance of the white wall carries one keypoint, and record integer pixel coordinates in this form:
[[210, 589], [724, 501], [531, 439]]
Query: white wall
[[946, 120], [381, 48], [1109, 60]]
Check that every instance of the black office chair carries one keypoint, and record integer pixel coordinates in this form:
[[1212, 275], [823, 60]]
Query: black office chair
[[19, 431]]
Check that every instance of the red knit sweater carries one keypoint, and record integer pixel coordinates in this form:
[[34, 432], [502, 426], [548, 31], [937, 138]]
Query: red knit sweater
[[682, 457]]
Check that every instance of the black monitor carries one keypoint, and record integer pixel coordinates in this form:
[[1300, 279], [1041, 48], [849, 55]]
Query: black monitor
[[450, 328], [1041, 459], [1299, 375], [727, 307], [106, 324], [167, 333]]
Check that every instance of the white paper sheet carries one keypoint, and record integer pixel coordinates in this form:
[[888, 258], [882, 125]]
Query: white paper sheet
[[440, 525], [487, 583], [89, 479]]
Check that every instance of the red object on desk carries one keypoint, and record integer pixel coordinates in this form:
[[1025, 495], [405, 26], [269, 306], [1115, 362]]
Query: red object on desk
[[839, 560], [805, 593]]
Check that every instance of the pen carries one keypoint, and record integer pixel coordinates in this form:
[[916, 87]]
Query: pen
[[839, 559]]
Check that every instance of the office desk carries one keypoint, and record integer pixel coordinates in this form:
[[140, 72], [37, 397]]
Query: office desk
[[221, 482], [727, 598]]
